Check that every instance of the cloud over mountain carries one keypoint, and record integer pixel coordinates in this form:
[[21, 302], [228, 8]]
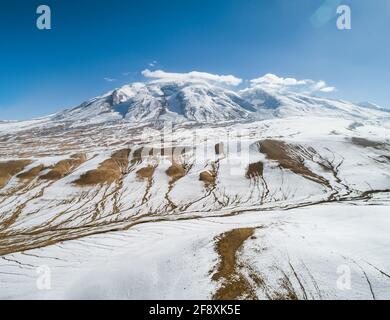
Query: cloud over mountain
[[268, 81], [274, 82], [191, 76]]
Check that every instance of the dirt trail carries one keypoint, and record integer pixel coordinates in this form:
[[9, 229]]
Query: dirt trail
[[234, 285]]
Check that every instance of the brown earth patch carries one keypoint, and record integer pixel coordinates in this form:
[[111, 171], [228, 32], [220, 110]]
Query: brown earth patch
[[286, 292], [289, 157], [32, 173], [255, 170], [64, 167], [176, 171], [137, 156], [108, 171], [9, 168], [146, 173], [234, 284], [207, 177]]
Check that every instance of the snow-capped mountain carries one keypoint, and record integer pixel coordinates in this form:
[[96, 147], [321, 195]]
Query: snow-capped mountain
[[203, 102], [169, 100]]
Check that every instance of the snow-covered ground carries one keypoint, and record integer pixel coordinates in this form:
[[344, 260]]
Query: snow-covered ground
[[315, 247]]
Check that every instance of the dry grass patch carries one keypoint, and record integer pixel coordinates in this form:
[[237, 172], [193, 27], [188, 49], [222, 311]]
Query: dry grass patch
[[207, 177], [64, 167], [286, 291], [288, 156], [109, 171], [137, 156], [234, 284], [255, 170], [9, 168], [146, 173], [176, 171], [32, 173]]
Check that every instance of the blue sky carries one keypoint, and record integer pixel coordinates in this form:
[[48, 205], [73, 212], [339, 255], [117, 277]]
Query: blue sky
[[42, 72]]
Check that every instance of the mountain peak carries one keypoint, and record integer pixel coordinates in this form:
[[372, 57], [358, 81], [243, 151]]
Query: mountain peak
[[196, 100]]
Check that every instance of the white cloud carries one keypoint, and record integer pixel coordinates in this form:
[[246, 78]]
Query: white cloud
[[322, 86], [109, 79], [269, 81], [194, 75], [328, 89], [153, 64], [274, 82]]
